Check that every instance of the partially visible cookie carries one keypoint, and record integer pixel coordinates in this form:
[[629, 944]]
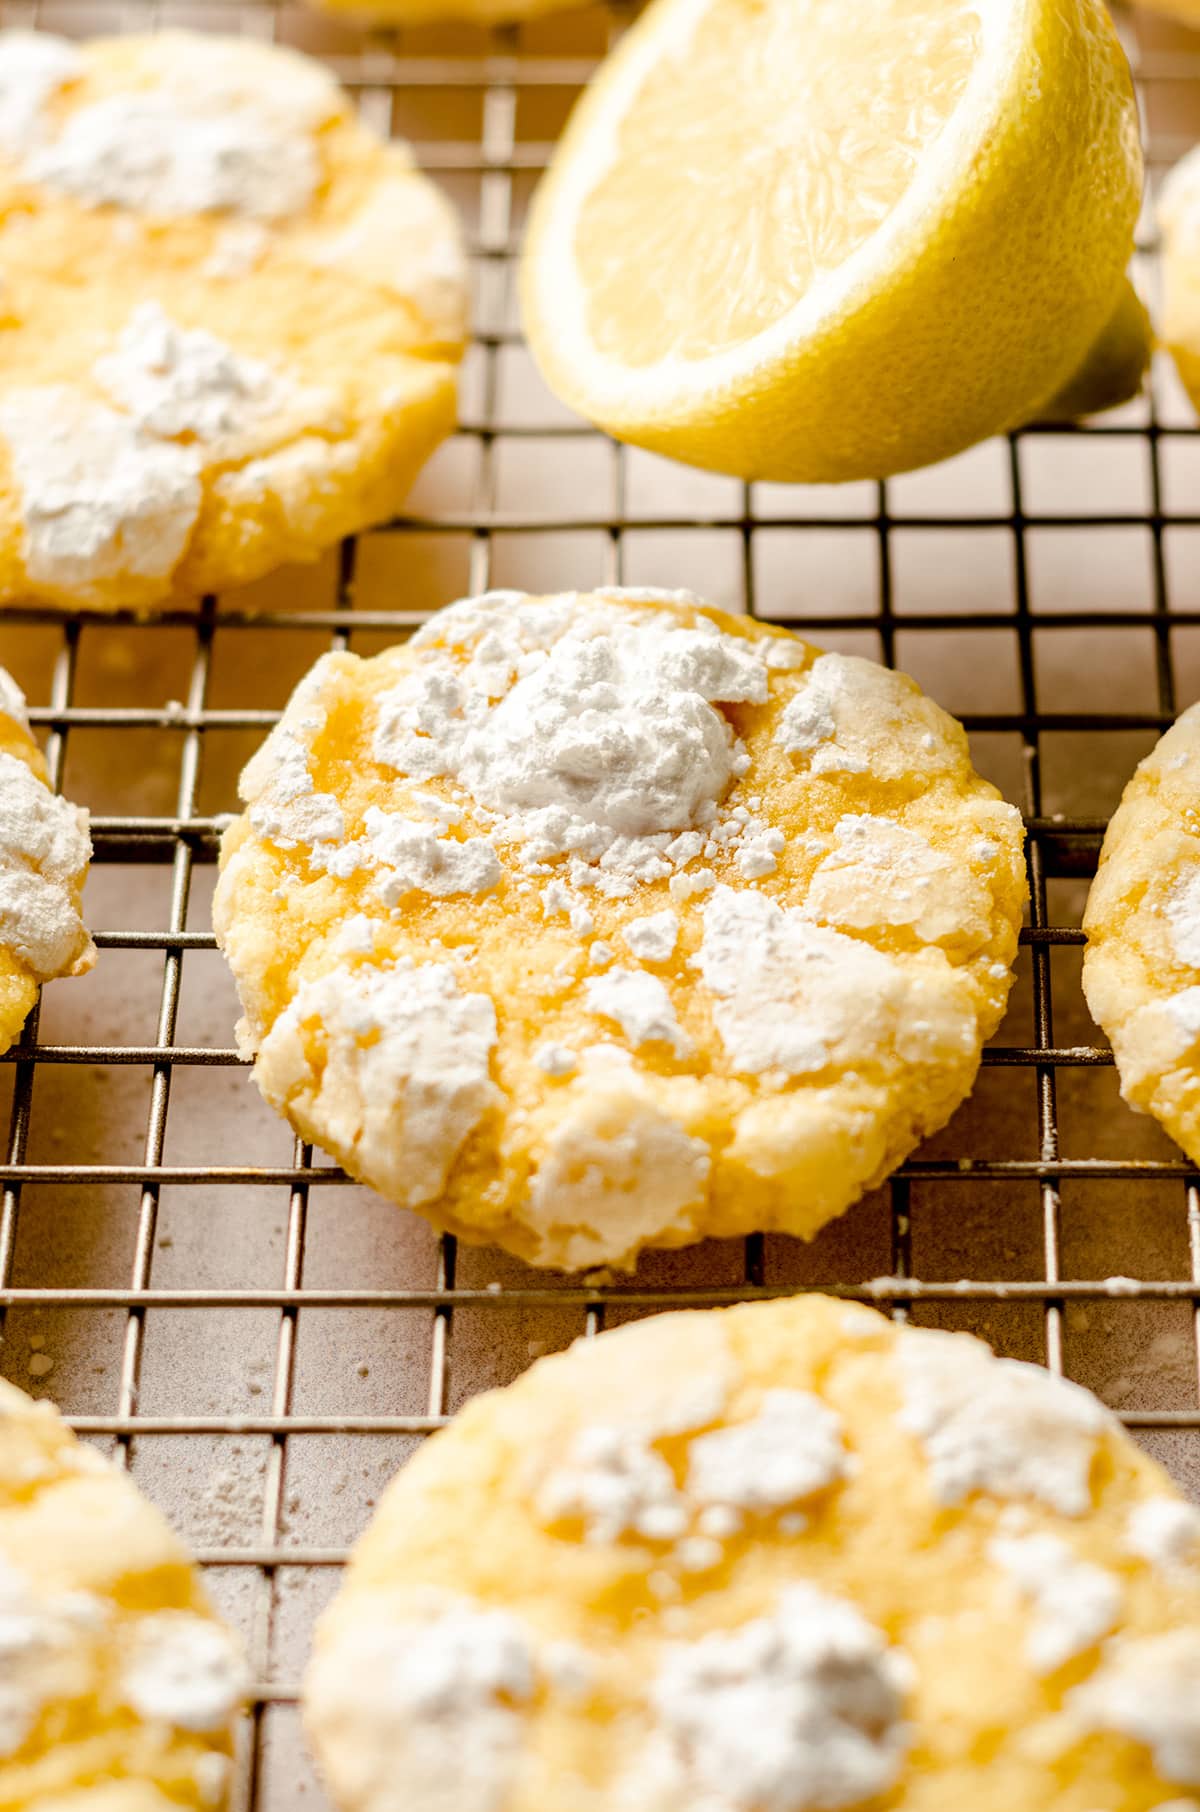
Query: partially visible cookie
[[422, 12], [1141, 970], [119, 1686], [600, 921], [786, 1557], [44, 853], [229, 320]]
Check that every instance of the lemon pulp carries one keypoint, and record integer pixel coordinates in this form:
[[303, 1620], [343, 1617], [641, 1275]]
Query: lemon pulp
[[783, 165]]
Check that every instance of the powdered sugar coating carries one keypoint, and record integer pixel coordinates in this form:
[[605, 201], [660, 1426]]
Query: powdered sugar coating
[[33, 67], [1183, 915], [1165, 1531], [44, 853], [100, 500], [998, 1425], [1148, 1689], [446, 1690], [186, 1671], [1073, 1603], [393, 1063], [791, 1449], [800, 1708], [640, 1005], [175, 383], [221, 131], [798, 998], [12, 700], [652, 939]]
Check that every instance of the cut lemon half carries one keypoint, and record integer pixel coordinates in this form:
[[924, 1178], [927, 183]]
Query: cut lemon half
[[833, 239]]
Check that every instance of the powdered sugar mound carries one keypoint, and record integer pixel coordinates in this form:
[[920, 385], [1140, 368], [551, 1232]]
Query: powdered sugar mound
[[185, 1671], [277, 782], [154, 153], [1182, 911], [998, 1425], [1182, 1014], [401, 1074], [583, 729], [1165, 1531], [615, 1484], [99, 498], [653, 938], [413, 858], [789, 1450], [33, 66], [1074, 1603], [640, 1005], [794, 996], [12, 699], [44, 848], [35, 1630], [176, 382], [434, 1701], [799, 1709], [1148, 1689]]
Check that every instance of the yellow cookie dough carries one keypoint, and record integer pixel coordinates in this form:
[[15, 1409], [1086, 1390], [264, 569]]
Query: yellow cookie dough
[[119, 1687], [44, 853], [1141, 971], [771, 1559], [229, 319], [602, 921]]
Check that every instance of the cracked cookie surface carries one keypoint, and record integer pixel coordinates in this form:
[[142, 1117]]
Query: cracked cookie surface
[[602, 921], [119, 1686], [780, 1557]]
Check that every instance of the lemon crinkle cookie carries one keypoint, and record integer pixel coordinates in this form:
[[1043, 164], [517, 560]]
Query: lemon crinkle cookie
[[119, 1687], [784, 1557], [275, 307], [44, 853], [597, 921], [1141, 971]]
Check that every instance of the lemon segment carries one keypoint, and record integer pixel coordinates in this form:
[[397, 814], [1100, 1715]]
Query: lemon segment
[[800, 241]]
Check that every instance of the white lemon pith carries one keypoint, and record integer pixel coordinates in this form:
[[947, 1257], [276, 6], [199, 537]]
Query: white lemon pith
[[602, 921], [798, 241], [784, 1558]]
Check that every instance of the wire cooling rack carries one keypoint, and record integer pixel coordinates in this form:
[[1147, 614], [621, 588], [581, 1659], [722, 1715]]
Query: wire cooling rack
[[263, 1342]]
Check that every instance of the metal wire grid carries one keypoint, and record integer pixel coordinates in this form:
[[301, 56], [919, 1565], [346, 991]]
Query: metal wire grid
[[1060, 846]]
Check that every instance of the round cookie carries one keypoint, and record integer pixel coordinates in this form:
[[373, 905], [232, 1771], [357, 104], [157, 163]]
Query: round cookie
[[602, 921], [44, 853], [1141, 969], [769, 1559], [230, 318], [119, 1686]]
